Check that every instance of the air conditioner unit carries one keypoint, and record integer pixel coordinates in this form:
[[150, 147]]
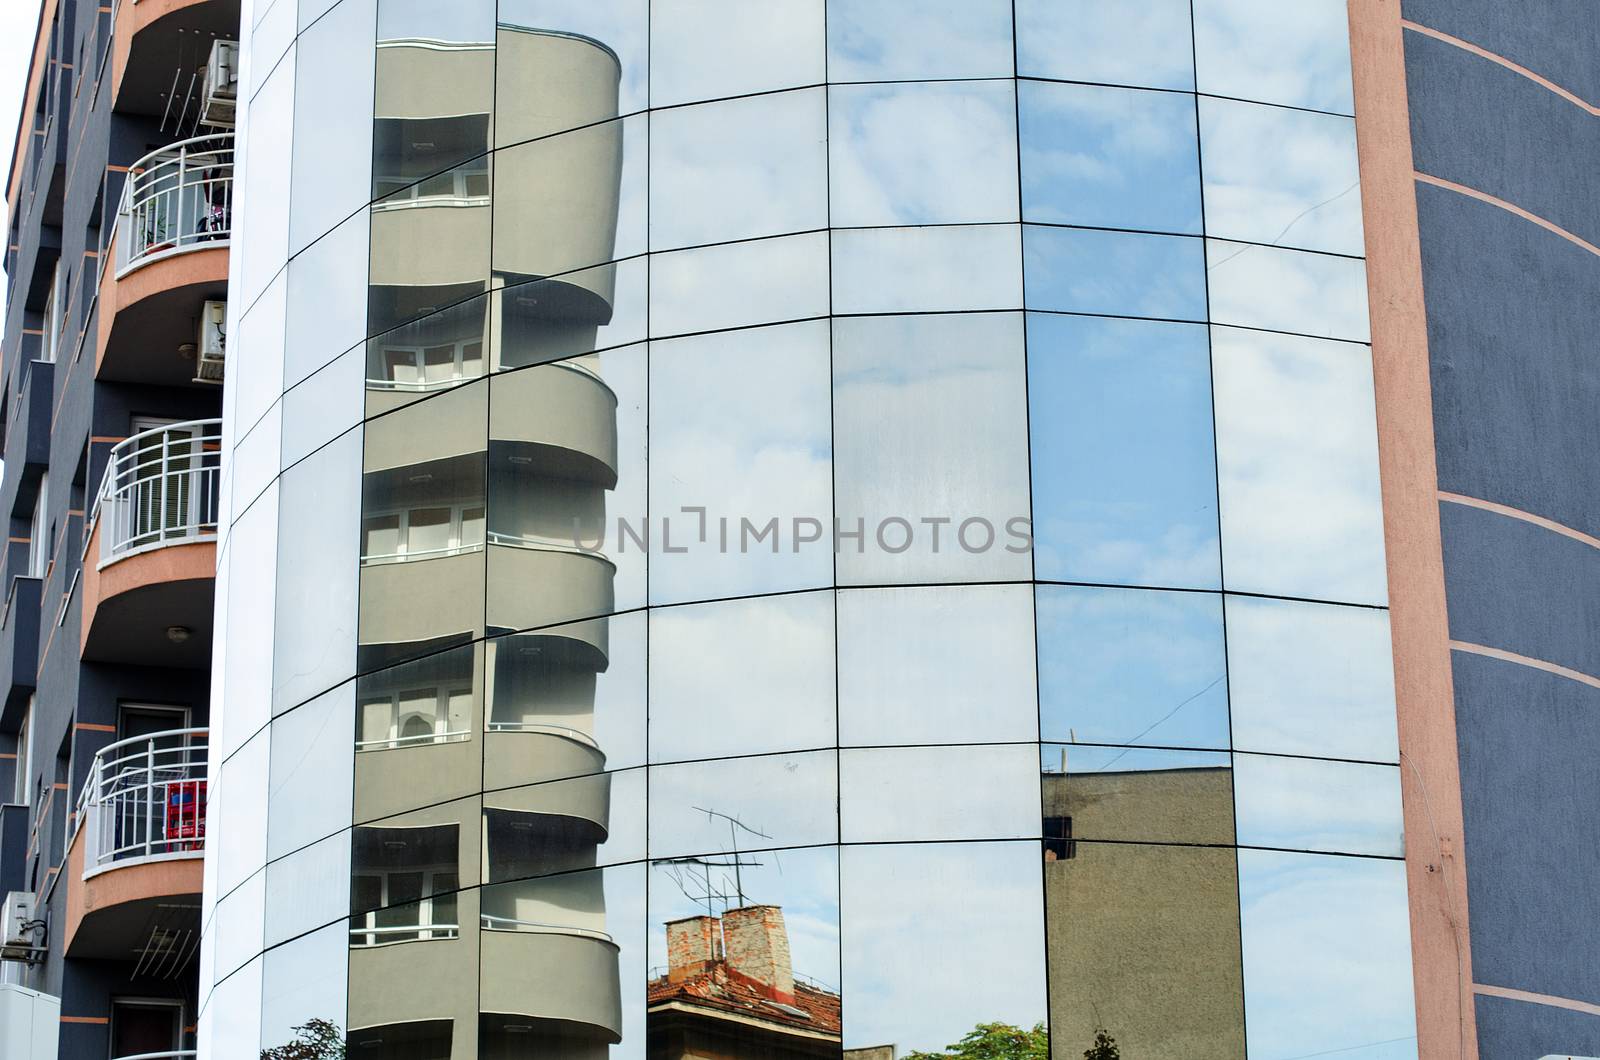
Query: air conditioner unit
[[16, 923], [221, 94], [212, 347]]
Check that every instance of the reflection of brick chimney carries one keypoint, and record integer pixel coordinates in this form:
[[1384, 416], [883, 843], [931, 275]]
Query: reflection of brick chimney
[[758, 947], [691, 945]]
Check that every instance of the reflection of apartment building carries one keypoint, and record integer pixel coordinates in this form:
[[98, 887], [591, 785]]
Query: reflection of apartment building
[[730, 992], [1152, 931], [120, 201]]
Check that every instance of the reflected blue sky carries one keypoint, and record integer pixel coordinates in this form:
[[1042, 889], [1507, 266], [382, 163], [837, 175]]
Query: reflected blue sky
[[1116, 273], [1147, 44], [1124, 486], [896, 40]]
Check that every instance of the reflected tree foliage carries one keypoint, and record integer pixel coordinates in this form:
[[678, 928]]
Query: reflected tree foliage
[[315, 1039], [997, 1041]]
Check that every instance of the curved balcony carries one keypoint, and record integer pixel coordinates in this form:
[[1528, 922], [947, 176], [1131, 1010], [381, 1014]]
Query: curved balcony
[[148, 597], [559, 978], [139, 842], [177, 198]]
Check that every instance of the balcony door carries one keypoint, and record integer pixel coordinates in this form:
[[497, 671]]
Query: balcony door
[[142, 1027], [138, 777], [162, 479]]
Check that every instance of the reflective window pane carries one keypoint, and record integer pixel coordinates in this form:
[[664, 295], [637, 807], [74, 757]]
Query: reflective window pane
[[922, 153], [908, 270], [1130, 794], [1130, 666], [1298, 467], [929, 417], [417, 732], [1146, 45], [936, 665], [1109, 273], [1311, 679], [303, 989], [737, 804], [1124, 477], [1309, 804], [1287, 290], [434, 96], [895, 794], [713, 49], [563, 826], [742, 677], [738, 169], [907, 40], [1281, 176], [1260, 50], [1109, 158], [309, 794], [622, 26], [430, 247], [739, 284], [550, 78]]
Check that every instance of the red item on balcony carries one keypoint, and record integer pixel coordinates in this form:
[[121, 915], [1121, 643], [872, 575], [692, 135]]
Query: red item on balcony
[[186, 814]]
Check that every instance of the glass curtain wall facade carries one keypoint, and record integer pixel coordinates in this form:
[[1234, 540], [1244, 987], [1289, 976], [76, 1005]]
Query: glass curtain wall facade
[[788, 528]]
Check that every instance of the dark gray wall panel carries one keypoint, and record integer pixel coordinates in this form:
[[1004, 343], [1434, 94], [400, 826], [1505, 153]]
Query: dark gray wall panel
[[1519, 1030], [1530, 782], [1479, 124], [1560, 44], [1522, 588], [1513, 320]]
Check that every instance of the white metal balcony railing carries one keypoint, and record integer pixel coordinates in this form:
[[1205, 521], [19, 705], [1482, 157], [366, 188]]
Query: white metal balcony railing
[[145, 798], [177, 198], [160, 488]]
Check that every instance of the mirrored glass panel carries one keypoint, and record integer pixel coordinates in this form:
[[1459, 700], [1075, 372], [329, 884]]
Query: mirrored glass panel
[[560, 957], [1147, 45], [1297, 467], [1287, 290], [430, 245], [308, 797], [1177, 993], [930, 421], [548, 319], [620, 26], [1109, 157], [1132, 667], [1327, 955], [757, 934], [910, 270], [434, 98], [1281, 176], [739, 284], [1115, 273], [936, 665], [1309, 804], [263, 201], [910, 40], [300, 896], [1131, 794], [333, 125], [1251, 49], [1124, 473], [1311, 679], [563, 826], [904, 908], [326, 311], [922, 153], [438, 351], [714, 49], [303, 991], [566, 466], [896, 794], [738, 169], [741, 466], [739, 804], [560, 706], [742, 677], [575, 79]]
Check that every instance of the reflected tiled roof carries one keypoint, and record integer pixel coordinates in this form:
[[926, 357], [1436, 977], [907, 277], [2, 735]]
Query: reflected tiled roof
[[720, 988]]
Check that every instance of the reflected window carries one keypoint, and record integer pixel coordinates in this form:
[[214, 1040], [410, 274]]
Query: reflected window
[[427, 701], [402, 885], [421, 533], [469, 182]]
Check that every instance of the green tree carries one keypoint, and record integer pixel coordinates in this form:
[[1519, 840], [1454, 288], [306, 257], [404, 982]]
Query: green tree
[[1104, 1048], [315, 1039], [995, 1041]]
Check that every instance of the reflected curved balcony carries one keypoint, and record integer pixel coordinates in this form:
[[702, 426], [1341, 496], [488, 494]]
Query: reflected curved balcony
[[137, 850], [176, 199], [147, 599], [550, 979]]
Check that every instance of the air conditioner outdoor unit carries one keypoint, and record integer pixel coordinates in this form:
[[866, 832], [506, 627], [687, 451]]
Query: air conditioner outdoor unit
[[16, 917], [221, 94], [212, 347]]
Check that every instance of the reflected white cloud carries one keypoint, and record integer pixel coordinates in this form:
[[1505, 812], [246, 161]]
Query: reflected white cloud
[[920, 921], [1124, 480], [896, 794], [1311, 679], [922, 153], [1297, 460], [1117, 665], [738, 169], [1327, 956], [711, 49], [1307, 804], [778, 800], [1280, 176], [1115, 273], [1109, 157], [739, 284], [740, 425], [906, 40], [1288, 290], [1295, 54], [742, 677], [908, 270], [1144, 45]]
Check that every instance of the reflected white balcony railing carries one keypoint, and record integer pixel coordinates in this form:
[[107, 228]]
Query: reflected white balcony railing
[[177, 198], [174, 1054], [369, 936], [487, 922], [145, 798], [160, 488]]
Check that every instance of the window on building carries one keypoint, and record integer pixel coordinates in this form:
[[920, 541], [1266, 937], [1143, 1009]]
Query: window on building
[[38, 533], [436, 714], [428, 367], [1058, 843], [22, 790], [54, 314], [422, 532]]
